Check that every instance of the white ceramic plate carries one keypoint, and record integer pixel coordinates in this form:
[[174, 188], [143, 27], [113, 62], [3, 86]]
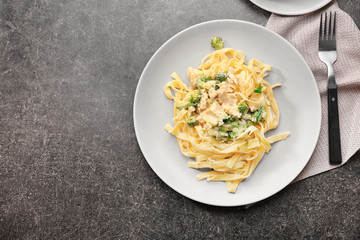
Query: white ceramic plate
[[291, 7], [298, 100]]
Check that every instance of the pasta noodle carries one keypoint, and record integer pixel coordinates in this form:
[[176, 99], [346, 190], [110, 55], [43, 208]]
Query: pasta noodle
[[221, 118]]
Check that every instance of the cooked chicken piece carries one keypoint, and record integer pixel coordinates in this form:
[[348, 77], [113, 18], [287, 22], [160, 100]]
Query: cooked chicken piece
[[252, 108], [203, 101], [213, 93], [209, 84], [231, 77], [229, 104], [263, 114], [208, 126], [192, 77], [190, 110], [213, 115]]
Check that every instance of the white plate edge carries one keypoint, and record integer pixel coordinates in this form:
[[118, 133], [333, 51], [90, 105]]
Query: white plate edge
[[296, 13]]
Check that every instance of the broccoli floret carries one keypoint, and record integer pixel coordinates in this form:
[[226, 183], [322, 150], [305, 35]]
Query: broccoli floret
[[228, 119], [258, 89], [225, 128], [235, 124], [249, 123], [220, 77], [191, 121], [225, 132], [243, 107], [221, 135], [204, 78], [186, 106], [240, 124], [217, 87], [203, 84], [217, 43], [194, 100], [199, 84], [230, 134], [257, 115]]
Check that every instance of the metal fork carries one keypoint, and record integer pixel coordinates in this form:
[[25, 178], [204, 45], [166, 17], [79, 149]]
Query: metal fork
[[327, 54]]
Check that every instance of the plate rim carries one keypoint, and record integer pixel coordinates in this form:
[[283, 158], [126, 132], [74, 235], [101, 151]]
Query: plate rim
[[141, 79], [293, 13]]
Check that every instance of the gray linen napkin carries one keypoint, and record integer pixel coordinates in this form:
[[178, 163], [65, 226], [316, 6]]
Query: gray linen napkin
[[302, 32]]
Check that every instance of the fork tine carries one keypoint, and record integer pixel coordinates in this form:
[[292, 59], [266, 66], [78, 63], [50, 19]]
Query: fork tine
[[325, 27], [330, 26], [320, 31], [334, 27]]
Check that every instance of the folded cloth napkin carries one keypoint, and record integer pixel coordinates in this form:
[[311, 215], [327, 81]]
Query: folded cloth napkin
[[302, 32]]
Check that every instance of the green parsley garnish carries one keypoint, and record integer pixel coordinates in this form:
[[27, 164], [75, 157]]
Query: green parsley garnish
[[258, 89], [258, 113]]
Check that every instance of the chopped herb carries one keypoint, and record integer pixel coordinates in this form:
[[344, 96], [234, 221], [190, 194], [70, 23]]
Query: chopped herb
[[257, 114], [258, 89]]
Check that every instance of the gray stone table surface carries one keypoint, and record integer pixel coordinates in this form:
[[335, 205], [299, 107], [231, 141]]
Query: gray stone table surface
[[70, 165]]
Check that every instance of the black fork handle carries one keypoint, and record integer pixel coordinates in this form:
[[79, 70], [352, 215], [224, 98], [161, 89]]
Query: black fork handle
[[334, 127]]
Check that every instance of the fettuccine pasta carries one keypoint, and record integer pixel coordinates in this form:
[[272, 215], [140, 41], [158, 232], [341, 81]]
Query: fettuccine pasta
[[221, 118]]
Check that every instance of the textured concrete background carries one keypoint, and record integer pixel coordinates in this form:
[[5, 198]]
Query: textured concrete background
[[70, 166]]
